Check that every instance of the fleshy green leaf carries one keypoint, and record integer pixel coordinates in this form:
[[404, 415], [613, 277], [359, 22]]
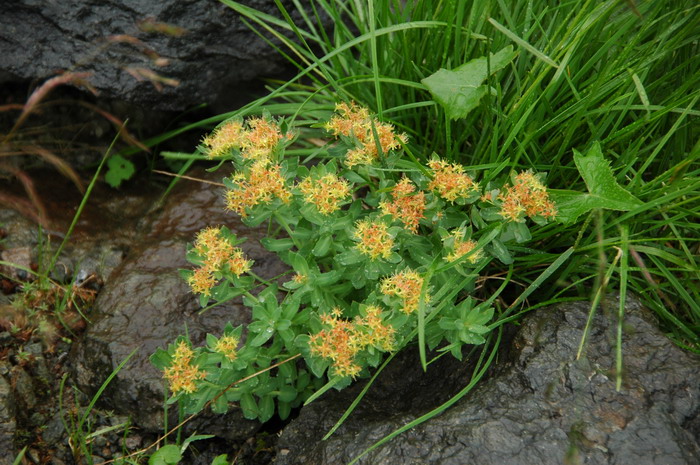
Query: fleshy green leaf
[[604, 190], [460, 90], [249, 406], [267, 408]]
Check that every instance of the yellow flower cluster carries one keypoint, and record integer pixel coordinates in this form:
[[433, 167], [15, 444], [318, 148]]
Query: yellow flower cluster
[[260, 184], [528, 196], [352, 120], [344, 339], [299, 278], [227, 346], [183, 374], [406, 285], [374, 238], [217, 253], [462, 248], [256, 142], [223, 139], [407, 206], [450, 180], [326, 192]]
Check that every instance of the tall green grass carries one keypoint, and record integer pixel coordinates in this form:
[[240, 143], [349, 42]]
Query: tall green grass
[[626, 74]]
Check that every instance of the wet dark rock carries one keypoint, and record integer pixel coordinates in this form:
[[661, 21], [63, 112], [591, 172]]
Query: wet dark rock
[[23, 389], [54, 430], [102, 236], [541, 406], [7, 422], [114, 40], [146, 305]]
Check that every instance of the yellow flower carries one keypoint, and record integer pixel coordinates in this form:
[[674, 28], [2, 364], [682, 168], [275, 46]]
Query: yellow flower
[[406, 285], [217, 253], [182, 374], [450, 180], [354, 121], [202, 281], [228, 136], [342, 340], [374, 238], [462, 248], [528, 196], [261, 139], [326, 192], [259, 185], [227, 346], [257, 139], [406, 206]]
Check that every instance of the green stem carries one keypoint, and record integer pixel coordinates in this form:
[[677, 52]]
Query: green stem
[[83, 202], [286, 227]]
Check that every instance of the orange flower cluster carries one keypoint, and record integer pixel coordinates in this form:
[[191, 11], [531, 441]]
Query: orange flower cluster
[[344, 339], [352, 120], [256, 142], [227, 346], [528, 196], [374, 238], [260, 184], [217, 253], [462, 248], [406, 206], [183, 374], [450, 180], [406, 285], [326, 192]]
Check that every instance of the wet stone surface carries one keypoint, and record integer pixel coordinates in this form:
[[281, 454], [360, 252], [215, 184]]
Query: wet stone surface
[[541, 406], [146, 305], [203, 46]]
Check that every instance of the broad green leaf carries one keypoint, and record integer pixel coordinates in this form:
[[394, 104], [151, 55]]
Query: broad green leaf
[[603, 189], [460, 90], [322, 245], [500, 251], [166, 455]]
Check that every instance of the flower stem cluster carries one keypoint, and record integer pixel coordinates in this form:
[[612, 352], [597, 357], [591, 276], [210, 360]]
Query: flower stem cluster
[[257, 141], [407, 286], [228, 347], [460, 248], [183, 374], [326, 192], [450, 180], [374, 238], [260, 184], [217, 255], [370, 134], [343, 340], [527, 197], [407, 205]]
